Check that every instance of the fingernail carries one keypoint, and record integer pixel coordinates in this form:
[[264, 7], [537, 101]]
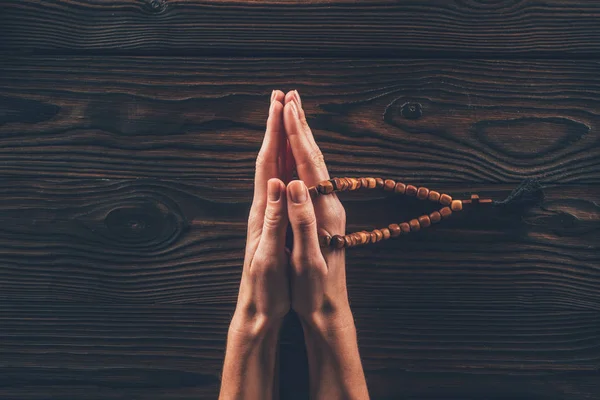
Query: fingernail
[[294, 109], [298, 98], [272, 96], [298, 192], [273, 190]]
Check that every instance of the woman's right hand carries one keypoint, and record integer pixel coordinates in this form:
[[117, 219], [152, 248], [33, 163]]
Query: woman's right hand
[[318, 275]]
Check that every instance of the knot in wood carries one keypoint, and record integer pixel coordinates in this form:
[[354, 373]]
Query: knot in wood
[[144, 224], [156, 6], [411, 110]]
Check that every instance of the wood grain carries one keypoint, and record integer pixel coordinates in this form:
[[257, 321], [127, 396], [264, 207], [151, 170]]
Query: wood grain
[[175, 351], [419, 120], [387, 28], [179, 242]]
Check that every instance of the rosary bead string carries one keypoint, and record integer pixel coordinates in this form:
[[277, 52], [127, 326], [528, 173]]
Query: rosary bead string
[[332, 185]]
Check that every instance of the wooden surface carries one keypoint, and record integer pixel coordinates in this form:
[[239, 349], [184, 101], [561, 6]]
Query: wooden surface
[[127, 148], [388, 28], [474, 121]]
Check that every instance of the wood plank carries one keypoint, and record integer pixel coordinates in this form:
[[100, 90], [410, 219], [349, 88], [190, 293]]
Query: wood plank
[[421, 120], [388, 28], [151, 241], [123, 351]]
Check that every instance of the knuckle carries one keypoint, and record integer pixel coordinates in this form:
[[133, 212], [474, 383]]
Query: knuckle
[[253, 217], [303, 120], [305, 220], [273, 217], [316, 158]]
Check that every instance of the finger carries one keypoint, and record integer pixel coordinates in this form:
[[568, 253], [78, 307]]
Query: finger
[[272, 240], [267, 163], [310, 163], [281, 153], [282, 158], [290, 163], [302, 218]]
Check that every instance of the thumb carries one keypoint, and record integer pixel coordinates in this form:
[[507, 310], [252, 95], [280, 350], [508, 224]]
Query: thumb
[[302, 218], [272, 240]]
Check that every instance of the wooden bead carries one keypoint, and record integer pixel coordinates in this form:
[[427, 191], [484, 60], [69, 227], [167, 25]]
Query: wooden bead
[[373, 237], [410, 190], [445, 200], [348, 183], [422, 193], [313, 192], [424, 221], [364, 238], [445, 212], [388, 185], [435, 217], [351, 239], [337, 184], [394, 230], [405, 227], [353, 184], [378, 183], [371, 183], [414, 224], [324, 240], [356, 238], [378, 235], [358, 183], [386, 233], [325, 187], [363, 183], [345, 184], [337, 241], [400, 188], [456, 205], [347, 241], [434, 196]]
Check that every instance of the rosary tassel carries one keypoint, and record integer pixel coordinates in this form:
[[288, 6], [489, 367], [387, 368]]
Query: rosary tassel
[[528, 194]]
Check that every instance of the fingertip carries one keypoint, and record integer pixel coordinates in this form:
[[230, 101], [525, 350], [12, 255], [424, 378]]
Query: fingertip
[[289, 96], [278, 95], [291, 115], [287, 108], [276, 107], [275, 191], [276, 183], [294, 185]]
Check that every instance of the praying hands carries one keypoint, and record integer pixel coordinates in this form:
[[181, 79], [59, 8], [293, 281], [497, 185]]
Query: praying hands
[[307, 278]]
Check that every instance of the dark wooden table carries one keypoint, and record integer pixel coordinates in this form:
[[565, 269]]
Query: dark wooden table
[[128, 134]]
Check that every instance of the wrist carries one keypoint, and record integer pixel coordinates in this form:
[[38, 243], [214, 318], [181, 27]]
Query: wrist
[[330, 323], [253, 327]]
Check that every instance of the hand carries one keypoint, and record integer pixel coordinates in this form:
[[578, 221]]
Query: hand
[[250, 366], [264, 289], [318, 276]]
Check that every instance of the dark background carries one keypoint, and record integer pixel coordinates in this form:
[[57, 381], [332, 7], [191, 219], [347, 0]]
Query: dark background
[[128, 135]]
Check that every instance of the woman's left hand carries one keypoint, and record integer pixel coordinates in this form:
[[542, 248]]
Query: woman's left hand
[[264, 297]]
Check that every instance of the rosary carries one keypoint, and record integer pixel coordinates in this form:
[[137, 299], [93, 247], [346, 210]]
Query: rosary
[[527, 193]]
